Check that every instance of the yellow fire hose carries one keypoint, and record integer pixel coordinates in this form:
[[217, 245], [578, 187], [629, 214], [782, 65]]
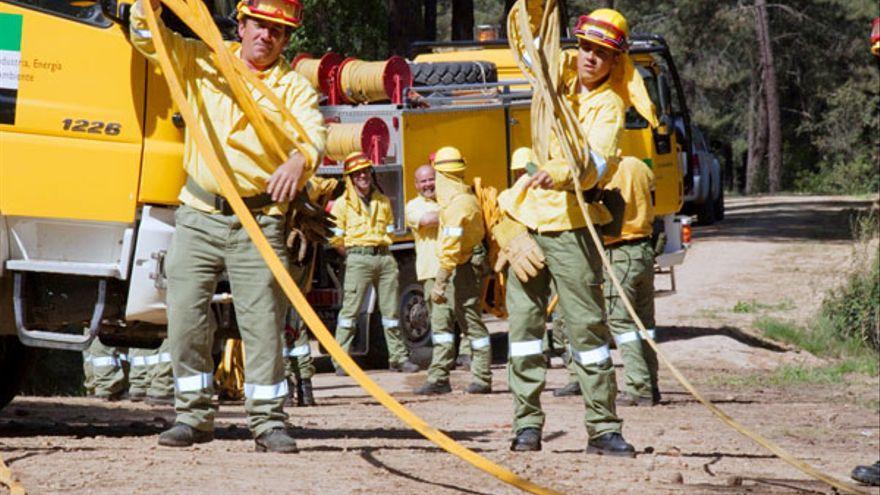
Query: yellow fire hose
[[542, 83], [8, 479], [201, 25]]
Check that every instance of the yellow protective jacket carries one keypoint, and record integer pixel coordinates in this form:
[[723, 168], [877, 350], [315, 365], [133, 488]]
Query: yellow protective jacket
[[601, 113], [634, 181], [223, 121], [461, 221], [425, 237], [362, 223]]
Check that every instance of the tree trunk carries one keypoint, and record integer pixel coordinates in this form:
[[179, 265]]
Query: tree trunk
[[431, 20], [757, 133], [508, 5], [462, 20], [405, 25], [771, 95]]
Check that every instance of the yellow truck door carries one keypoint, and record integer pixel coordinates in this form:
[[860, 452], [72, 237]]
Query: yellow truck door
[[71, 113]]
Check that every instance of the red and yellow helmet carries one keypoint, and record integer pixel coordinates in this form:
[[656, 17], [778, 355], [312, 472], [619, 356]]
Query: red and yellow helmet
[[355, 161], [287, 12], [606, 27]]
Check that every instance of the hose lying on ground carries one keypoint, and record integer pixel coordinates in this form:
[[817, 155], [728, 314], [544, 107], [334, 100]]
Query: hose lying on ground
[[200, 24], [570, 137]]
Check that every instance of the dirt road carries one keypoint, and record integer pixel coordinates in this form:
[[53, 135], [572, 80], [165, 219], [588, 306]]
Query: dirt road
[[775, 255]]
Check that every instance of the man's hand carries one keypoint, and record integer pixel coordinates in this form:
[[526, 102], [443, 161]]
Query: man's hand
[[540, 180], [284, 181], [438, 292], [430, 219]]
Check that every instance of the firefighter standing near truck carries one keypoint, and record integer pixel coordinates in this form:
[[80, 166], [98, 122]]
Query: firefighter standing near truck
[[364, 223], [208, 236], [150, 377], [422, 216], [629, 248], [458, 284], [104, 370], [544, 225]]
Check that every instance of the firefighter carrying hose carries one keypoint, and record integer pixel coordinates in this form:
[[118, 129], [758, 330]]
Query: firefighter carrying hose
[[364, 223], [209, 238], [458, 285], [545, 239]]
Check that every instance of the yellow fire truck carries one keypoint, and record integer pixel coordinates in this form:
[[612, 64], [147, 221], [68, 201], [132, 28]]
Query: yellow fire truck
[[90, 169]]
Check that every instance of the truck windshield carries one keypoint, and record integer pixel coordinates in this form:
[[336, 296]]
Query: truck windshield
[[633, 119]]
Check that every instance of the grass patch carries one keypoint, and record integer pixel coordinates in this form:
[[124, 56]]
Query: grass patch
[[755, 307]]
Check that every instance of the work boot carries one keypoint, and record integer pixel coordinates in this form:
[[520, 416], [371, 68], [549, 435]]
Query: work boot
[[624, 399], [160, 400], [405, 367], [276, 440], [137, 396], [304, 396], [114, 397], [570, 388], [463, 362], [183, 435], [611, 444], [478, 388], [869, 475], [527, 439], [434, 388]]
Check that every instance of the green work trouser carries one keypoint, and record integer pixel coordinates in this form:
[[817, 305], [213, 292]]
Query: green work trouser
[[202, 247], [462, 306], [573, 267], [362, 271], [298, 362], [633, 265], [560, 344], [107, 371], [151, 372], [464, 345]]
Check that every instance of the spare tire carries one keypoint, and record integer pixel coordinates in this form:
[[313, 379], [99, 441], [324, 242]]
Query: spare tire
[[447, 73]]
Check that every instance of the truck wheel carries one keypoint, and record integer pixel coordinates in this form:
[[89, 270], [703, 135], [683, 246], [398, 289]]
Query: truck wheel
[[16, 359], [706, 211], [719, 205], [443, 73]]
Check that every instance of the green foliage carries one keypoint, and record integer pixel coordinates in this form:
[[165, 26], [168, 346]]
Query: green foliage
[[852, 311], [796, 374], [754, 306], [349, 27]]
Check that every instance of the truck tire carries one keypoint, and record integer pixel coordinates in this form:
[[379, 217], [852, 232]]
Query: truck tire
[[706, 210], [719, 203], [16, 359], [445, 73]]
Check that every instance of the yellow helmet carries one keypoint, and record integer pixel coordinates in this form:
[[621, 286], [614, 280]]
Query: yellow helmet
[[521, 158], [606, 27], [355, 161], [287, 12], [448, 159]]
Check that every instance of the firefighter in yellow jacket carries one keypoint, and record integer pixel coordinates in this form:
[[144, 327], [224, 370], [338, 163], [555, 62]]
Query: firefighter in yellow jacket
[[364, 223], [459, 281], [209, 238], [544, 237], [631, 253]]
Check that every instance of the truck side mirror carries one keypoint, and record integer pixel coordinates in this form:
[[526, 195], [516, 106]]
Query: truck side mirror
[[118, 10]]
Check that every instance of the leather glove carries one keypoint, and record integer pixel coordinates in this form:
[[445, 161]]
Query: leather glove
[[311, 220], [438, 292], [518, 248], [297, 245]]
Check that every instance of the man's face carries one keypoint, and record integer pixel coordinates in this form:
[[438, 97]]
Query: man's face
[[362, 180], [261, 41], [425, 182], [594, 63]]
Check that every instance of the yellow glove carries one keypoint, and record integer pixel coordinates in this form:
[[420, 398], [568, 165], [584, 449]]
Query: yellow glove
[[517, 247], [438, 292]]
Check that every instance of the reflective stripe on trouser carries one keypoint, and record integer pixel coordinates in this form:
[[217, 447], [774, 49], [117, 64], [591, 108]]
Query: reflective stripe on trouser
[[202, 246], [162, 373], [573, 267], [462, 306], [634, 266], [139, 373], [108, 376], [361, 272]]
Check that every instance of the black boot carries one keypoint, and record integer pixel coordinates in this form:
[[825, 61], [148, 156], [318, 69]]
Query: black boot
[[434, 388], [611, 444], [527, 439], [571, 388], [869, 475], [304, 396], [276, 440], [478, 388], [183, 435]]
